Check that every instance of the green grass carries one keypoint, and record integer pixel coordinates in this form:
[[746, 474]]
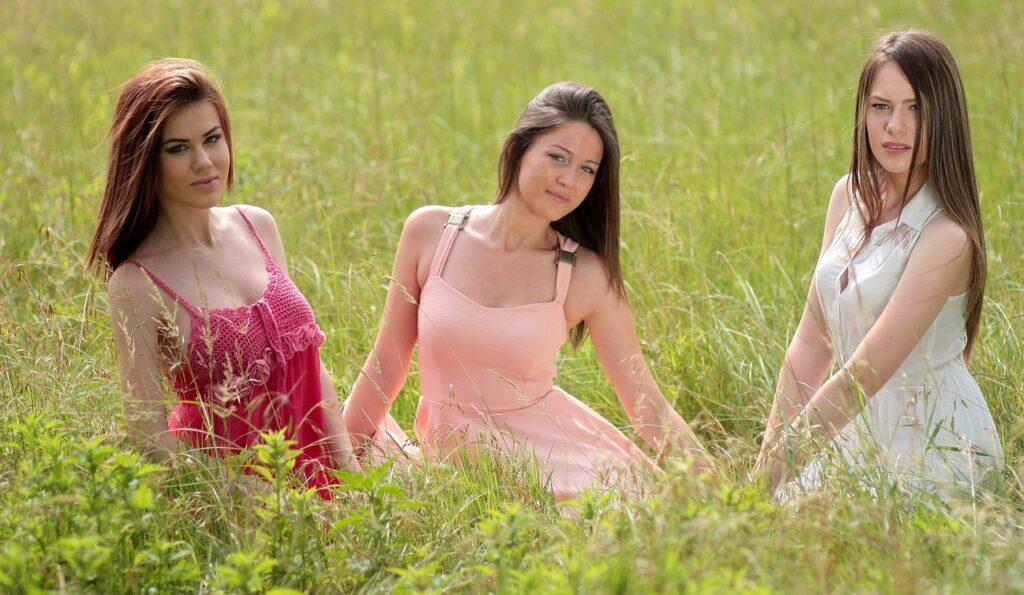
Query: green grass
[[735, 122]]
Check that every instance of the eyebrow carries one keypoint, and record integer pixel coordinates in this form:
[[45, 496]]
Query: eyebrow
[[880, 98], [569, 151], [185, 140]]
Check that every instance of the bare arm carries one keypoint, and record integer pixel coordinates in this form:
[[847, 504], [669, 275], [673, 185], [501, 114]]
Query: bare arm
[[939, 267], [135, 309], [387, 367], [809, 354], [609, 320], [340, 445]]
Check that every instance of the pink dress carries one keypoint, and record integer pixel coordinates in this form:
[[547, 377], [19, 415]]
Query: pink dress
[[253, 369], [487, 376]]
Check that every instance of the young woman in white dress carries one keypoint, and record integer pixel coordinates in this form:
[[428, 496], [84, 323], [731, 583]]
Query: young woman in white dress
[[896, 296]]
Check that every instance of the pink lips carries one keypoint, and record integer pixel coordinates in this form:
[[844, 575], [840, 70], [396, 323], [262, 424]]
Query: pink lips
[[896, 148], [558, 196], [206, 183]]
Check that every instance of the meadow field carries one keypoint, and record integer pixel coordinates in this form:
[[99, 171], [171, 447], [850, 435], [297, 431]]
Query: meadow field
[[735, 122]]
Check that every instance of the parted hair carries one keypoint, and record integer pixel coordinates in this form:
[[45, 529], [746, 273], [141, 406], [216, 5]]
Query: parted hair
[[929, 66], [129, 209], [595, 223]]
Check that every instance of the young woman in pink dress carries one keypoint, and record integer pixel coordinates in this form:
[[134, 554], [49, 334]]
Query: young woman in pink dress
[[199, 293], [490, 293]]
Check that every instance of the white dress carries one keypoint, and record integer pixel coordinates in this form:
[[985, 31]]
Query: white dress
[[929, 424]]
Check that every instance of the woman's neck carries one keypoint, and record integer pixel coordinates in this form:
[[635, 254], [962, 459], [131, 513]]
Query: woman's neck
[[893, 196], [185, 226], [512, 226]]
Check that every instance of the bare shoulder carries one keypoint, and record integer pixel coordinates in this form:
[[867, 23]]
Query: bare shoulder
[[588, 264], [942, 257], [266, 227], [838, 204], [840, 200], [260, 218], [589, 276], [423, 227], [127, 280], [255, 213], [591, 294], [841, 193], [944, 235], [129, 289], [426, 219]]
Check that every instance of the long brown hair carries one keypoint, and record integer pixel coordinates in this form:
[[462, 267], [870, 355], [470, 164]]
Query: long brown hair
[[130, 208], [595, 223], [929, 66]]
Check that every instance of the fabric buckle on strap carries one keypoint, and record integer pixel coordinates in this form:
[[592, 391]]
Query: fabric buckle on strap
[[457, 219]]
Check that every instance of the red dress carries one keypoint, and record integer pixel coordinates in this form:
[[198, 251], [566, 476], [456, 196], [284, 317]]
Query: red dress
[[253, 369]]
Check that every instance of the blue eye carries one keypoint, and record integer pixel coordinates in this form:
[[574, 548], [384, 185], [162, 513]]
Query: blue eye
[[557, 157], [212, 139], [879, 106], [589, 170]]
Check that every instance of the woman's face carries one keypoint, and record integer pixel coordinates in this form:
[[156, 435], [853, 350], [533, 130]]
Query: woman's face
[[194, 157], [558, 170], [892, 118]]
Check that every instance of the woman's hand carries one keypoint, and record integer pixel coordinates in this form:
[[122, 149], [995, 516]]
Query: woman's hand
[[774, 465]]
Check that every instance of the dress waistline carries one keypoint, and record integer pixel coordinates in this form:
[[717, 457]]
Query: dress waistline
[[517, 399]]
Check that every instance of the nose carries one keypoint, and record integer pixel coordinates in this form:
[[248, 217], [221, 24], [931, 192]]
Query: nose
[[567, 177], [201, 159], [899, 122]]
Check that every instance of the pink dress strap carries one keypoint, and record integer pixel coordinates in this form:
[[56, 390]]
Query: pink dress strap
[[566, 263], [259, 240], [166, 288], [456, 221]]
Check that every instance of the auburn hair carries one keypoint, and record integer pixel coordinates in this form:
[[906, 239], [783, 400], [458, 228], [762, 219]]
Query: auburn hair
[[129, 209], [932, 72], [595, 223]]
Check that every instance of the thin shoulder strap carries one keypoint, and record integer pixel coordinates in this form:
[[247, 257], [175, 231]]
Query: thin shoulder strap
[[457, 220], [166, 288], [566, 263], [252, 228]]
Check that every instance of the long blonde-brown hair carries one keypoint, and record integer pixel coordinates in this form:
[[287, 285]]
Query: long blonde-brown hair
[[929, 66]]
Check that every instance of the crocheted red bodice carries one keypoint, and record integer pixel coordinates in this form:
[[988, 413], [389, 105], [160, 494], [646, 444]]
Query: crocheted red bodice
[[231, 350]]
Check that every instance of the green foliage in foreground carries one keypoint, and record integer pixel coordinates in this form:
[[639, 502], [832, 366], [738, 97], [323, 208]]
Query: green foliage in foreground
[[734, 119], [89, 516]]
